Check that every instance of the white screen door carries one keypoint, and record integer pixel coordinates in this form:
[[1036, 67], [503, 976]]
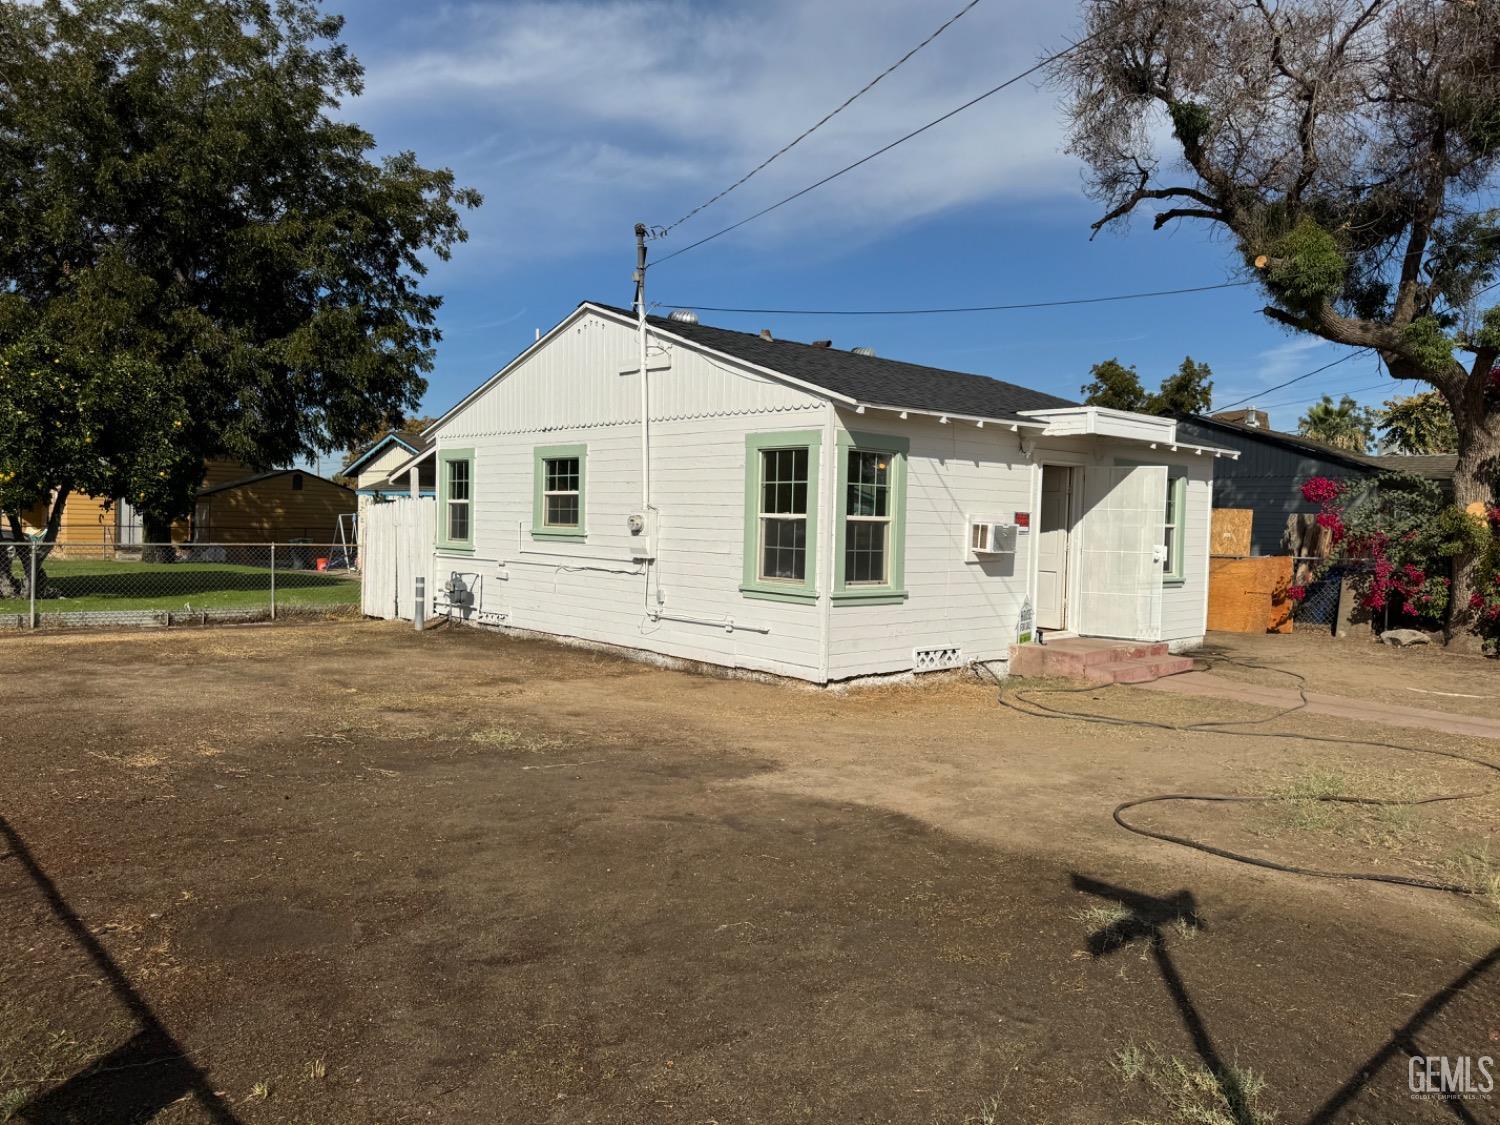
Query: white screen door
[[1052, 527], [1120, 555]]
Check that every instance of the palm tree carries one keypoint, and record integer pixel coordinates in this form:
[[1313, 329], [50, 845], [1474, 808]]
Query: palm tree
[[1343, 425]]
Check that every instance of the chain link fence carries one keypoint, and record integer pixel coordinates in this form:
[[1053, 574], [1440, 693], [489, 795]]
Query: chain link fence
[[163, 584]]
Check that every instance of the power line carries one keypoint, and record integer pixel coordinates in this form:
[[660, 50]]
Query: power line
[[1298, 379], [968, 308], [868, 86], [1048, 61]]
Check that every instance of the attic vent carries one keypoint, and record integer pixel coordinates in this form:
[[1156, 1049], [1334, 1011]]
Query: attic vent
[[936, 659], [864, 351], [684, 316], [765, 334], [822, 343]]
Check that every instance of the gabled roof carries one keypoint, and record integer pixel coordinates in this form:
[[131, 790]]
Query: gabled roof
[[412, 443], [1295, 442], [1432, 466], [864, 379]]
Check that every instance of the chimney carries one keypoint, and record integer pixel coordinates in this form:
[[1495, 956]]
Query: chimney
[[822, 343], [765, 334]]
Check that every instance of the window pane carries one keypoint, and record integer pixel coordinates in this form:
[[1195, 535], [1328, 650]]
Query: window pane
[[458, 522], [562, 511], [869, 483], [784, 482], [458, 480], [784, 549], [562, 474], [864, 551]]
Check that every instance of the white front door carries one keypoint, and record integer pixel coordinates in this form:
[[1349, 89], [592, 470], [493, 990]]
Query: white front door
[[1053, 522], [1123, 530]]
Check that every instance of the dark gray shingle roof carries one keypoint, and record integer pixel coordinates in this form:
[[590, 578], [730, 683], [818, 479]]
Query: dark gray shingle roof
[[1432, 466], [867, 379]]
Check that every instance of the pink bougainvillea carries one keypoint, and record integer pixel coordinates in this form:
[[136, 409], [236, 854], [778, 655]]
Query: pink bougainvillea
[[1321, 490], [1296, 593]]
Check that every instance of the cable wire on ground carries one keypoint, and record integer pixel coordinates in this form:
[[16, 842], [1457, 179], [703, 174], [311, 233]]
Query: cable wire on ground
[[868, 86], [1014, 700]]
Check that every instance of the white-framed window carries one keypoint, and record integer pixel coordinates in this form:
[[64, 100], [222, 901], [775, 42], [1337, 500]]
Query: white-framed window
[[783, 516], [1172, 536], [561, 492], [868, 515], [458, 499]]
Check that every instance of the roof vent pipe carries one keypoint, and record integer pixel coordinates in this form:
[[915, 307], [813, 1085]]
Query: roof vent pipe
[[684, 316], [765, 334], [864, 351], [822, 343]]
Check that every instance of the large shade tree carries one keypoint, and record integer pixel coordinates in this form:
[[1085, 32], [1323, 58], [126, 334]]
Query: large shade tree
[[199, 257], [1346, 148]]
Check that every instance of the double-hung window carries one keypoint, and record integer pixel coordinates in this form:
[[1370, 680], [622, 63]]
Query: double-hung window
[[558, 507], [870, 562], [456, 495], [781, 515]]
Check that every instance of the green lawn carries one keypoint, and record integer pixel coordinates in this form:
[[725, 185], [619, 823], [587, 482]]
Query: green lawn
[[93, 585]]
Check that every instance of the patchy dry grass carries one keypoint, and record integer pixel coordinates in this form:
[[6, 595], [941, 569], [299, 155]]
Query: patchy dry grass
[[1190, 1092], [503, 738], [1477, 868], [48, 1058]]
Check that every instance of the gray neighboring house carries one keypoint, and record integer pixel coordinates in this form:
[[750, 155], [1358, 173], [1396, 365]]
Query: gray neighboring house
[[1268, 475]]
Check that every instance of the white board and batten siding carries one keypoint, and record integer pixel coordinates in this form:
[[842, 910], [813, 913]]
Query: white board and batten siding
[[592, 589]]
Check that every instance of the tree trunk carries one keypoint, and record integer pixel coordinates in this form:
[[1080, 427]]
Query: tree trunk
[[157, 533], [1473, 482]]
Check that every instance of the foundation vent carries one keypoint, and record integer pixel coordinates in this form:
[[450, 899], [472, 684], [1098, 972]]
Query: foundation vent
[[936, 659]]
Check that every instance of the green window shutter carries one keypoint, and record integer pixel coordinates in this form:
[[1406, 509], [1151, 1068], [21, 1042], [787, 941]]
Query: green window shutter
[[455, 499], [559, 504], [877, 490], [782, 483]]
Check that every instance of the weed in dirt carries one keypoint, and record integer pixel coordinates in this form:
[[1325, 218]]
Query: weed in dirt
[[502, 738], [11, 1102], [1191, 1092], [260, 1091], [317, 1070], [990, 1113], [1476, 868], [1102, 916]]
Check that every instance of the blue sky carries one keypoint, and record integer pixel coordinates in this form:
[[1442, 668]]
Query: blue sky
[[576, 118]]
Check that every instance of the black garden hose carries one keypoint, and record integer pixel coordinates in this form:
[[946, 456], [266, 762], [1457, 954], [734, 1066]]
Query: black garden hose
[[1038, 710]]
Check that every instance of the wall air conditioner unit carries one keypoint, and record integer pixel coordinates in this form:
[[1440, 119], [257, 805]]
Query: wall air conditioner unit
[[988, 538]]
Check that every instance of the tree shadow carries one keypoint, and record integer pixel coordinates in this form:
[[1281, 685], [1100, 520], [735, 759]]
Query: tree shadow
[[136, 1080], [1148, 915]]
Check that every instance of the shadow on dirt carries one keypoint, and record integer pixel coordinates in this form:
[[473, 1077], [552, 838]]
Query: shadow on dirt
[[139, 1078]]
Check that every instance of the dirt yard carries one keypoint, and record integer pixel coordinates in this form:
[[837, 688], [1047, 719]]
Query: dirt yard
[[346, 873]]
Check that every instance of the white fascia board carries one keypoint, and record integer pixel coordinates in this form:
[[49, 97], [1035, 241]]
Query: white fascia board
[[975, 419]]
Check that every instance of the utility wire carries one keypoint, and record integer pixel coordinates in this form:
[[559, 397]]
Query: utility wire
[[1027, 73], [868, 86], [1298, 379], [969, 308]]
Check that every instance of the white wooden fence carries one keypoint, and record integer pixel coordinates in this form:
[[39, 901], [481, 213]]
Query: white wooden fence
[[398, 538]]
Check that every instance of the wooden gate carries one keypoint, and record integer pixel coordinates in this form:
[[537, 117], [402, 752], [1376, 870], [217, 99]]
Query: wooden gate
[[397, 546]]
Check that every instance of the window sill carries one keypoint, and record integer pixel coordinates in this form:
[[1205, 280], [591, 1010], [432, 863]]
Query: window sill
[[558, 533], [771, 594], [1175, 582], [455, 549], [882, 596]]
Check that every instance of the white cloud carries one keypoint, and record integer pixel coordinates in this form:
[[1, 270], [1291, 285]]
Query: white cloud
[[578, 118]]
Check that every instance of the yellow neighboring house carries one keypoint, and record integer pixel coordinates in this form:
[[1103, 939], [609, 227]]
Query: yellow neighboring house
[[235, 504]]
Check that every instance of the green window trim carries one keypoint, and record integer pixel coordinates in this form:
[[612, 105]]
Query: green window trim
[[446, 459], [1177, 494], [753, 585], [893, 590], [540, 456]]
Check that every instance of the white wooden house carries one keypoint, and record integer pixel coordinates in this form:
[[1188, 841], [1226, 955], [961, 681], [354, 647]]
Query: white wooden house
[[804, 510]]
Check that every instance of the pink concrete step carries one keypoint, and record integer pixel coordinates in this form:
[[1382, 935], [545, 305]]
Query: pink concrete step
[[1098, 661], [1139, 671]]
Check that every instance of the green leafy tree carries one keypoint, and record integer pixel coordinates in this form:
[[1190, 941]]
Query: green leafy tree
[[1188, 391], [186, 215], [1343, 424], [1114, 386], [1420, 423], [1343, 146]]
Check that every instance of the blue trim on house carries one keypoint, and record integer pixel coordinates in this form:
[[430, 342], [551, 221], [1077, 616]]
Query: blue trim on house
[[376, 448]]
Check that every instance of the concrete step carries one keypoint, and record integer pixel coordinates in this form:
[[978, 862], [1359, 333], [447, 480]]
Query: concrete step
[[1142, 671]]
